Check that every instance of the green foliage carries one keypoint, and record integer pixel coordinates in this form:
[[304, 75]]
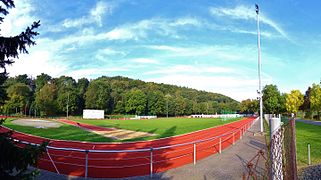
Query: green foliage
[[293, 101], [135, 102], [249, 106], [14, 160], [46, 99], [315, 98], [98, 95], [156, 102], [272, 99]]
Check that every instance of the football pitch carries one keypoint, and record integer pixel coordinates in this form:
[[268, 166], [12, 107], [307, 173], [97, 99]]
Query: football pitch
[[161, 127]]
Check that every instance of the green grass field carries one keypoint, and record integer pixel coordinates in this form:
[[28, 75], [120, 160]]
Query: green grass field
[[162, 127], [64, 132], [308, 133]]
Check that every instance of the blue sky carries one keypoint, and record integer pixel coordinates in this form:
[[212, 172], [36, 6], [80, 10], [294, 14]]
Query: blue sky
[[207, 45]]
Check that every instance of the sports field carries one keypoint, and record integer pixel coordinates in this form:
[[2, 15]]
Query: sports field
[[308, 133], [161, 127]]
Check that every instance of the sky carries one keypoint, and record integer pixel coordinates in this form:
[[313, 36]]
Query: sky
[[205, 44]]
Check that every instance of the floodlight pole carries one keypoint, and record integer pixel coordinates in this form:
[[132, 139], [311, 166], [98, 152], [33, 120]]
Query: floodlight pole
[[259, 66], [68, 105]]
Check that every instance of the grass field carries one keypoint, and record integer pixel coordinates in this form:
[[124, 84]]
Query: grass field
[[308, 133], [162, 127], [64, 132]]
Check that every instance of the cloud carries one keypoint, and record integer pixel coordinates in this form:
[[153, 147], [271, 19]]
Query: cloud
[[95, 15], [246, 13], [18, 18], [144, 61], [189, 69], [217, 52]]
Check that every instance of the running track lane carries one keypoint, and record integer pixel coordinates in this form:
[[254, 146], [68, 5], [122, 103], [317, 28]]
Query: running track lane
[[127, 164]]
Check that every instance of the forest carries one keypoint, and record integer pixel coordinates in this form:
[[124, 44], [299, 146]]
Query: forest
[[49, 96]]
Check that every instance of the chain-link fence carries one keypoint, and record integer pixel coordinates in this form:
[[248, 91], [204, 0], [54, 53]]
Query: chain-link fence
[[282, 152]]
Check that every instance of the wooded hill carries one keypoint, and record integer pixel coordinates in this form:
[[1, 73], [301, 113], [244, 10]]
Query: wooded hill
[[49, 96]]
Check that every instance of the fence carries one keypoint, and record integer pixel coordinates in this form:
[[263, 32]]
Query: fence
[[282, 164], [74, 158]]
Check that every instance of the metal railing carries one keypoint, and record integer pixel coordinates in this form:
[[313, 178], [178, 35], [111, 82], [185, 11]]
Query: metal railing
[[241, 130]]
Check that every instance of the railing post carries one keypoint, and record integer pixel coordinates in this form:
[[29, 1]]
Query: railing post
[[194, 156], [53, 163], [220, 146], [240, 133], [86, 164], [151, 162], [309, 157]]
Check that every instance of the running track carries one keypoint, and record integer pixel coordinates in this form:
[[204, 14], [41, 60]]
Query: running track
[[127, 164]]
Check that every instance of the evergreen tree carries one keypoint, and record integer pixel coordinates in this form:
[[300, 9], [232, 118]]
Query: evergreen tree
[[14, 160]]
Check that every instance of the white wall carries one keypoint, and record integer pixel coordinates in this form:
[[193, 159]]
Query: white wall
[[93, 114]]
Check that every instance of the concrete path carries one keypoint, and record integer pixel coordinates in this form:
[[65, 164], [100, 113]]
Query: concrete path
[[318, 123], [231, 164]]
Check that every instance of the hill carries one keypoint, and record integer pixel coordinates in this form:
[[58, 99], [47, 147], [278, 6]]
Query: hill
[[116, 95]]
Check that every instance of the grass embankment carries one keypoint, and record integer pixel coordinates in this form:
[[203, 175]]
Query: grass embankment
[[162, 127], [64, 132], [308, 133]]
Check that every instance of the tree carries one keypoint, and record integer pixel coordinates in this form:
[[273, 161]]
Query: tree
[[306, 104], [315, 98], [13, 158], [156, 103], [271, 99], [136, 102], [19, 96], [293, 101], [46, 99], [98, 95], [249, 106], [42, 80]]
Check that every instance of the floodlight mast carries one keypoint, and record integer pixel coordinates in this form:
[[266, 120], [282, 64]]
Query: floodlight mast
[[257, 10]]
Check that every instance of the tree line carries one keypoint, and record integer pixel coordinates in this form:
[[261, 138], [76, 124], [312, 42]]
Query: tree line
[[306, 105], [48, 96]]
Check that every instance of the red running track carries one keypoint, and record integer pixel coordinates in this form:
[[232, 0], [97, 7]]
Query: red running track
[[126, 164], [85, 126]]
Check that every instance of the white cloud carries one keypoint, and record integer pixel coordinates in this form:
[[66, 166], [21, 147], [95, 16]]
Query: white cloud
[[189, 69], [95, 15], [217, 52], [144, 61], [18, 18], [246, 13]]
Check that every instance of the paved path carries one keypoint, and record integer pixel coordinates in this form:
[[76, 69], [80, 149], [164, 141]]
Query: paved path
[[318, 123], [231, 164]]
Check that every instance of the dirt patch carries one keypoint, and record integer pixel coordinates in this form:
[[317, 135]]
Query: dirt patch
[[122, 134], [37, 123]]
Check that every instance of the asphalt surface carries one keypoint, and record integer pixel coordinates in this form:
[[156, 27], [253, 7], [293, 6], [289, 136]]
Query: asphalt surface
[[230, 164], [318, 123]]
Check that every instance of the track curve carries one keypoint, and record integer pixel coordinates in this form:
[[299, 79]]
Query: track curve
[[121, 160]]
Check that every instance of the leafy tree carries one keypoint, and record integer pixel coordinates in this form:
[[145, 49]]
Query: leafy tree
[[136, 102], [42, 80], [180, 105], [13, 158], [19, 96], [271, 99], [98, 95], [306, 104], [46, 99], [82, 86], [156, 103], [315, 98], [249, 106], [293, 101]]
